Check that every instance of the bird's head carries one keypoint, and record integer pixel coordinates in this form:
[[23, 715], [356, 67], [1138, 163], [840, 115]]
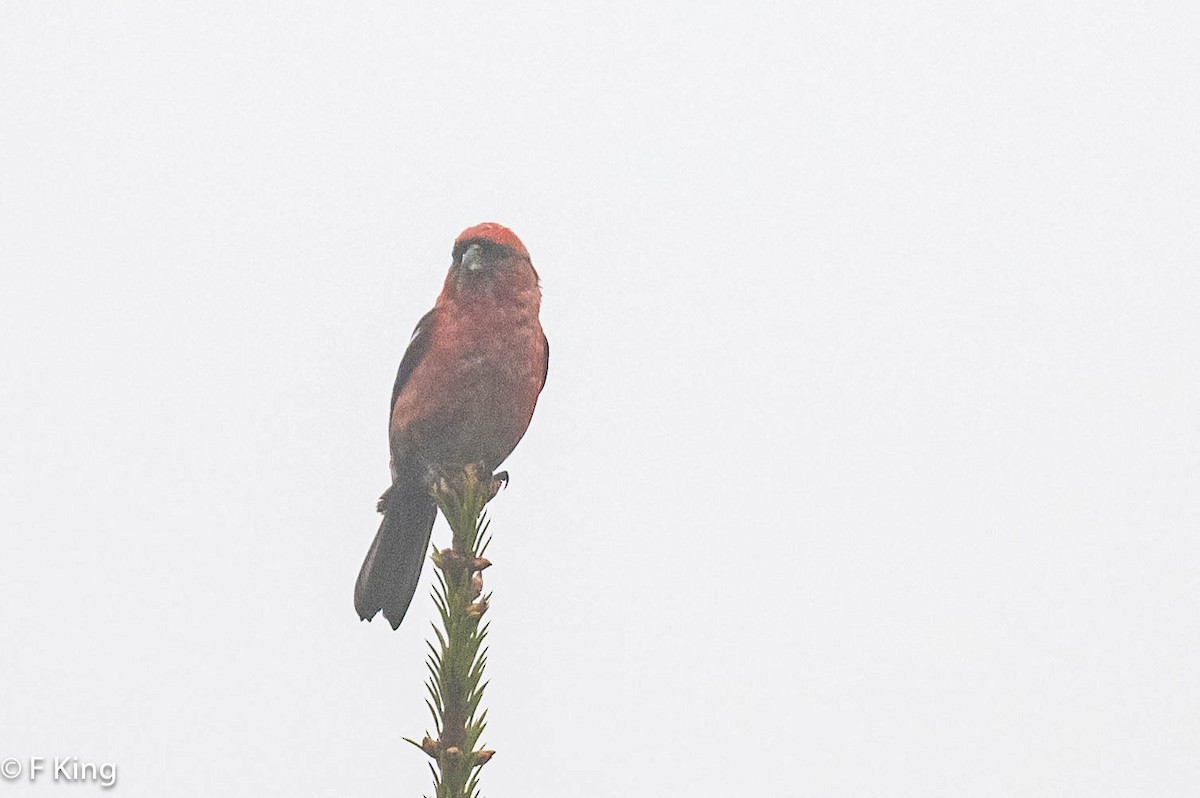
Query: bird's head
[[489, 255]]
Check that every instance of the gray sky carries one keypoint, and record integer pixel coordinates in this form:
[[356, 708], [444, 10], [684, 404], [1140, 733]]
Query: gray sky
[[867, 463]]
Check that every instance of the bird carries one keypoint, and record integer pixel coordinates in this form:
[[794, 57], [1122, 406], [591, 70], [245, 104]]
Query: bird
[[464, 395]]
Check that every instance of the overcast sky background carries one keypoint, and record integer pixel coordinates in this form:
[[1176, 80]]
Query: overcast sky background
[[868, 460]]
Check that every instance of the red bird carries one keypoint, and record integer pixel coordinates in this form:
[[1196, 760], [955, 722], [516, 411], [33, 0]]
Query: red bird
[[464, 394]]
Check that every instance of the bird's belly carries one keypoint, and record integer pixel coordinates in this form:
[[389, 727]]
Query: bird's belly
[[481, 401]]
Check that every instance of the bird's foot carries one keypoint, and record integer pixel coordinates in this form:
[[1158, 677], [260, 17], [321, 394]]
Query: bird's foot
[[499, 480], [382, 505], [440, 480]]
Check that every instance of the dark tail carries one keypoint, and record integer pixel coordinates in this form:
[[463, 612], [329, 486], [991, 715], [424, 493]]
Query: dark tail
[[389, 575]]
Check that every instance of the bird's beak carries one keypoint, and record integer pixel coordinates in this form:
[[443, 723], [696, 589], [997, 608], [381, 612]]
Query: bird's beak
[[472, 259]]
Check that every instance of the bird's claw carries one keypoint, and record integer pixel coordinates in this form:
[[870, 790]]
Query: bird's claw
[[499, 480]]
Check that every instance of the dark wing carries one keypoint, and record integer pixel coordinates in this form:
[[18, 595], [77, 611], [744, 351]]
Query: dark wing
[[546, 365], [418, 345]]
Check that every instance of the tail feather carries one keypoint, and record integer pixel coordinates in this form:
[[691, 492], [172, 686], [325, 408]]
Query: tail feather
[[389, 575]]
